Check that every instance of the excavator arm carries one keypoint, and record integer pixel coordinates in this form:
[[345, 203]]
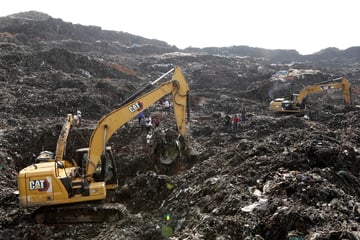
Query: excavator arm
[[347, 91], [344, 85], [130, 108]]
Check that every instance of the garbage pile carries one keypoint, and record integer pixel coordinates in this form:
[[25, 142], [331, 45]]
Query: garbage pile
[[270, 177]]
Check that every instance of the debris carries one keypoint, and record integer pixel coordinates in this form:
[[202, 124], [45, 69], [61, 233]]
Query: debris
[[278, 177]]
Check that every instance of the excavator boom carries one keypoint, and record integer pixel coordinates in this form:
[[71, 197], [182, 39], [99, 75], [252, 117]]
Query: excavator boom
[[106, 127]]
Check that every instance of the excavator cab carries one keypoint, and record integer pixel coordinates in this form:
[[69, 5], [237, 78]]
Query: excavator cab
[[289, 104], [285, 105], [105, 170]]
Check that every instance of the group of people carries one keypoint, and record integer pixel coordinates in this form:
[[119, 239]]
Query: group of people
[[235, 121], [147, 122], [165, 105]]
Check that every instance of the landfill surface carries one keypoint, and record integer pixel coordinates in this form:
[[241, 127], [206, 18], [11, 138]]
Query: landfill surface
[[274, 176]]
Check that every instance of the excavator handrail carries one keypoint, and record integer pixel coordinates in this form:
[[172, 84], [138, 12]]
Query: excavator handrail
[[71, 120], [132, 106], [61, 143]]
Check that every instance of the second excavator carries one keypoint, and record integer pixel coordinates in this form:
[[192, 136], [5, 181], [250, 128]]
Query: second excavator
[[91, 175], [298, 103]]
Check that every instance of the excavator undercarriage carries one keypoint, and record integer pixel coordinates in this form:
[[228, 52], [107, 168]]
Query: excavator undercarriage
[[80, 213]]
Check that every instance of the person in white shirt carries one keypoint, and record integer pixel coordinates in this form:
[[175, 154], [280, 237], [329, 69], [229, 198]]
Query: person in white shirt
[[148, 123]]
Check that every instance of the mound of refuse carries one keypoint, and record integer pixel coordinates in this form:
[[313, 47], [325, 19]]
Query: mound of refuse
[[270, 176]]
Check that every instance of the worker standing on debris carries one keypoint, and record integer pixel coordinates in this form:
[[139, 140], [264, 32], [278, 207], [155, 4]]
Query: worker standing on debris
[[243, 117], [167, 106], [148, 123], [148, 141], [77, 118], [227, 121], [236, 122], [156, 122], [140, 116]]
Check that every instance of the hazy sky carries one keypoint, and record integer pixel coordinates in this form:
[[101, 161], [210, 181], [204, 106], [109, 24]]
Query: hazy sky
[[305, 25]]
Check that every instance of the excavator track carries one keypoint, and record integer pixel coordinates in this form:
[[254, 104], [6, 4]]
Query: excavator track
[[80, 213]]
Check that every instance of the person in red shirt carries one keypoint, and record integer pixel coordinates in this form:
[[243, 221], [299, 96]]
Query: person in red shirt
[[236, 122]]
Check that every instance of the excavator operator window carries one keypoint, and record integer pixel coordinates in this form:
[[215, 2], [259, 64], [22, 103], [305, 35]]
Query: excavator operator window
[[81, 158], [105, 169]]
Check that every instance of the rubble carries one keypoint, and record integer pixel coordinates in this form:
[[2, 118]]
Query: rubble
[[275, 177]]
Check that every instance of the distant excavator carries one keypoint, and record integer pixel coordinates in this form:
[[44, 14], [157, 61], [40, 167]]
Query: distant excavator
[[298, 103], [58, 186]]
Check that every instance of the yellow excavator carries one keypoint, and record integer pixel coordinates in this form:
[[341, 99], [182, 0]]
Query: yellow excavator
[[297, 104], [78, 184]]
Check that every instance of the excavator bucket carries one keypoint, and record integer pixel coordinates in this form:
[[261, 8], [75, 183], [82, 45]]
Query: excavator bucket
[[166, 145], [170, 152]]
